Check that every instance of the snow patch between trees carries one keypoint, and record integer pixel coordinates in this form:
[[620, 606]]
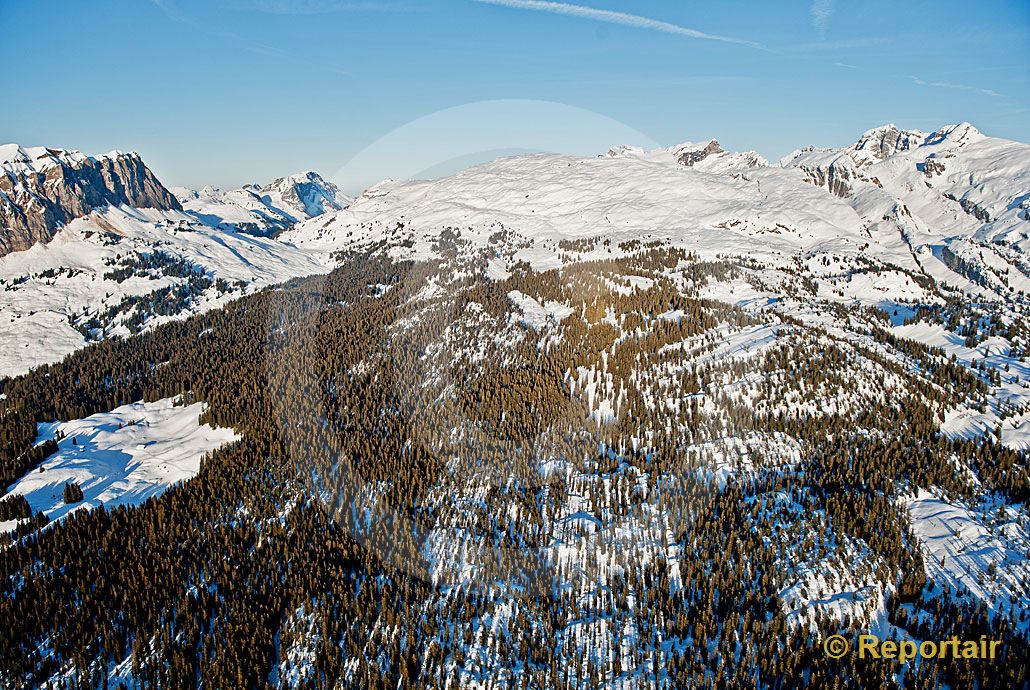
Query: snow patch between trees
[[966, 549], [119, 458]]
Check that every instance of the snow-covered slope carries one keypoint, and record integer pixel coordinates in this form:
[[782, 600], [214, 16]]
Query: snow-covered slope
[[929, 229], [980, 553], [951, 205], [899, 217], [546, 199], [121, 457], [268, 209], [955, 184], [120, 270], [106, 250], [745, 388]]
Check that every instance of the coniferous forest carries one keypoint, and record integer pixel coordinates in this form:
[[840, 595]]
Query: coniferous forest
[[590, 477]]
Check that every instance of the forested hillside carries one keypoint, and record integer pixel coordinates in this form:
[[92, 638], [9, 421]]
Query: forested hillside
[[591, 476]]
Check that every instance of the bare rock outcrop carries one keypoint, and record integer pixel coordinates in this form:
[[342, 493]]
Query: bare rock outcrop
[[835, 176], [883, 142], [691, 157], [42, 189]]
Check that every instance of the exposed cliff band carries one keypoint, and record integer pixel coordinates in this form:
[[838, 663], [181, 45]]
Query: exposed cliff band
[[42, 189]]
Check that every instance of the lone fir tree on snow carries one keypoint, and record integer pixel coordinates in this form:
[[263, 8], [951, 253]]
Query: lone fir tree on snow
[[72, 492]]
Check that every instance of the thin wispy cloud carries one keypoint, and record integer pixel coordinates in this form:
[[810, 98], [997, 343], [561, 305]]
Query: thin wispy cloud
[[845, 64], [612, 17], [960, 87], [822, 12]]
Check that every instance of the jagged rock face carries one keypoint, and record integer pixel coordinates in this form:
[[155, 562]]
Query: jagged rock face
[[843, 171], [971, 207], [707, 156], [932, 166], [43, 189], [884, 142], [751, 159], [308, 193], [834, 177], [691, 158]]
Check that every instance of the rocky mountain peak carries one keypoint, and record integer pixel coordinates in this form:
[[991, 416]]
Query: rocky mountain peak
[[691, 154], [42, 189], [307, 193], [958, 135], [708, 156], [267, 209], [885, 141]]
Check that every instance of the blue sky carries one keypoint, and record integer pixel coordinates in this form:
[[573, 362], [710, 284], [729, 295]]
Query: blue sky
[[230, 91]]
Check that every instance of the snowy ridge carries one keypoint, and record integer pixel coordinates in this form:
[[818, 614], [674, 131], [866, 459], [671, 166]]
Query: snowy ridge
[[267, 209], [21, 159], [708, 156], [901, 198], [91, 270]]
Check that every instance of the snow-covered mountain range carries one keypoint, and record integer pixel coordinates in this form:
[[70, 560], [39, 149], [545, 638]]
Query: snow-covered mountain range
[[106, 249], [268, 209], [918, 202], [952, 205], [621, 419]]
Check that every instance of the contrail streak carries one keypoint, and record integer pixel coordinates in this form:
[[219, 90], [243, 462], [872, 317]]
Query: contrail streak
[[611, 17]]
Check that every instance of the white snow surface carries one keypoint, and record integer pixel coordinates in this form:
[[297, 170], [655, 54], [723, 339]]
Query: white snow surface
[[29, 159], [47, 289], [970, 551], [121, 457], [913, 201], [547, 198], [264, 209], [898, 211], [36, 307], [537, 315]]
